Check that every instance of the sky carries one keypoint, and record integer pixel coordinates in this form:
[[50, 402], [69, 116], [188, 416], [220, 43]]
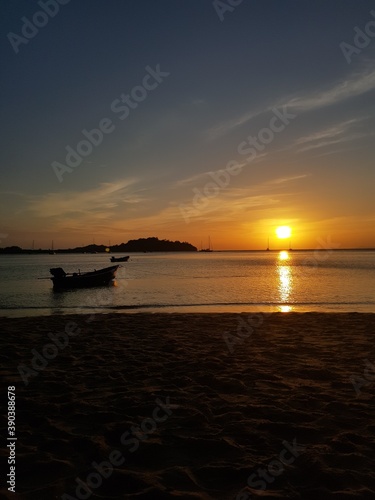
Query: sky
[[187, 120]]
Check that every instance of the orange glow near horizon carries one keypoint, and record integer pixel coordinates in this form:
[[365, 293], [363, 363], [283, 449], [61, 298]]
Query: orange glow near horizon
[[241, 235]]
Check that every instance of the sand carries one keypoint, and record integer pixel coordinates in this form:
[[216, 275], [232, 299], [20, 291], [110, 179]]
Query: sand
[[192, 406]]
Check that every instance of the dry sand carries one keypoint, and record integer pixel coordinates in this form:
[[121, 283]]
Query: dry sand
[[229, 418]]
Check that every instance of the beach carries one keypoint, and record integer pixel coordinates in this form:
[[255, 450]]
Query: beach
[[191, 406]]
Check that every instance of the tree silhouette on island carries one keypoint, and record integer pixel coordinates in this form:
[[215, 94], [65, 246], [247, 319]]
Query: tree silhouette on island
[[153, 245]]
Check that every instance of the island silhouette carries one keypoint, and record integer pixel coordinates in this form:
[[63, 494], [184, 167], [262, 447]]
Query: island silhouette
[[151, 244]]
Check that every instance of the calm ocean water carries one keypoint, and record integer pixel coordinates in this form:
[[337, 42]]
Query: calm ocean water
[[219, 281]]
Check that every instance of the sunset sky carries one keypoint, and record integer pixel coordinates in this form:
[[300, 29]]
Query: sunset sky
[[263, 92]]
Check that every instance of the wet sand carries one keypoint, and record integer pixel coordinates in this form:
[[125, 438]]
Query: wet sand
[[192, 406]]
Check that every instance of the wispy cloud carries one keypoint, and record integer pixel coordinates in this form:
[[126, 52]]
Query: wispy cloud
[[203, 177], [354, 85], [283, 180], [224, 127], [232, 206], [341, 132], [330, 132], [102, 199], [121, 208], [233, 203], [192, 179]]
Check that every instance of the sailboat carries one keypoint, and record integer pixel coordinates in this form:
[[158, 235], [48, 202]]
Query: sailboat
[[52, 252], [209, 249]]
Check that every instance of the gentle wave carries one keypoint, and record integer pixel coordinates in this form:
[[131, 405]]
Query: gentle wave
[[202, 304]]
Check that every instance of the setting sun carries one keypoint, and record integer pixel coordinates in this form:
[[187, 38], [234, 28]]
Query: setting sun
[[283, 232]]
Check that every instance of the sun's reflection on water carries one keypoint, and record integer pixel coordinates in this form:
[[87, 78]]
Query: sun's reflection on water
[[285, 309], [283, 255], [285, 280]]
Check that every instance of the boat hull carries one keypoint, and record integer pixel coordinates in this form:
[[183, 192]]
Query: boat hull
[[103, 277], [119, 259]]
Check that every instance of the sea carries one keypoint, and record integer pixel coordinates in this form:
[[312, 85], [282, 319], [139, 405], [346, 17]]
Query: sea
[[284, 281]]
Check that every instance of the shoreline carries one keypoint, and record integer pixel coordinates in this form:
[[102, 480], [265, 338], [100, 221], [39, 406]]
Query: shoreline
[[195, 406], [190, 309]]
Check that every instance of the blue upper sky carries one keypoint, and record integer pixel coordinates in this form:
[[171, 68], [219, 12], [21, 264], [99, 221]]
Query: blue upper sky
[[224, 71]]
